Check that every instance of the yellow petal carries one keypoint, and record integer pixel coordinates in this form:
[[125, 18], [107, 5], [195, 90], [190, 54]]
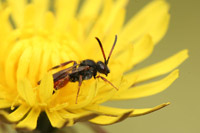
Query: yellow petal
[[105, 91], [29, 16], [114, 29], [24, 63], [55, 57], [90, 8], [123, 61], [144, 21], [58, 106], [125, 84], [26, 91], [105, 95], [107, 120], [30, 121], [4, 103], [103, 110], [76, 31], [104, 24], [87, 98], [11, 62], [72, 118], [49, 22], [135, 53], [46, 87], [65, 11], [142, 49], [74, 50], [2, 72], [147, 89], [18, 8], [4, 116], [11, 37], [45, 59], [19, 113], [159, 68], [98, 28], [89, 12], [5, 27], [42, 7], [118, 7], [158, 31], [55, 118], [35, 62], [139, 112], [7, 96], [2, 90]]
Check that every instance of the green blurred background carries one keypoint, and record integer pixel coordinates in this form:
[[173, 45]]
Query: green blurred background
[[183, 115]]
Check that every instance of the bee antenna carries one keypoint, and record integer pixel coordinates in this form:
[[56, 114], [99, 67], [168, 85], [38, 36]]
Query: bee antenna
[[102, 50], [106, 62]]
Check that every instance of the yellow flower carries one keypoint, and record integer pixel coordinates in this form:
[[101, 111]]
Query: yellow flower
[[33, 39]]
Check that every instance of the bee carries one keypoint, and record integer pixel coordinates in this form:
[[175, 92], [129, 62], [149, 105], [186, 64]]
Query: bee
[[85, 70]]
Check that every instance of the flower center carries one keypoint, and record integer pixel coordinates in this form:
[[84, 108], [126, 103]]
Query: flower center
[[30, 54]]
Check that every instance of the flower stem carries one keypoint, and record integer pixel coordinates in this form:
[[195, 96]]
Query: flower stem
[[44, 125]]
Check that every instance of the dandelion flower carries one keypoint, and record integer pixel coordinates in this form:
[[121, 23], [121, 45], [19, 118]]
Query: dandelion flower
[[34, 39]]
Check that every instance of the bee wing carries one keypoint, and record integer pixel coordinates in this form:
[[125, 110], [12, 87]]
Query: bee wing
[[68, 71], [79, 69], [63, 73]]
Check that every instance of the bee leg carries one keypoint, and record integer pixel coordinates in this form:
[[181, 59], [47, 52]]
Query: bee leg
[[63, 64], [79, 85], [104, 79]]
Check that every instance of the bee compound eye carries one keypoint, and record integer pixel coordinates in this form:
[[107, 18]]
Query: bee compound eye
[[102, 66]]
